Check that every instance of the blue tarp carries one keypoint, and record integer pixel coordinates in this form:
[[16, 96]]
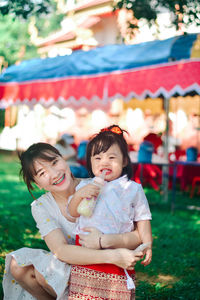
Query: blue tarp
[[102, 60]]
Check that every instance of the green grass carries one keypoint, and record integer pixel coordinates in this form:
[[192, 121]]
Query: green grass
[[174, 271]]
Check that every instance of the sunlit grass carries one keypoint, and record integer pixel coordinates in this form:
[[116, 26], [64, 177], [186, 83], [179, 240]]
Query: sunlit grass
[[174, 271]]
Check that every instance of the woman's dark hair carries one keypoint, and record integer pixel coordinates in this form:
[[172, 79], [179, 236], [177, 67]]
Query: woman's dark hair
[[27, 158], [102, 141]]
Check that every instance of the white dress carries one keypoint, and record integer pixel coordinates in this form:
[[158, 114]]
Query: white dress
[[120, 203], [48, 217]]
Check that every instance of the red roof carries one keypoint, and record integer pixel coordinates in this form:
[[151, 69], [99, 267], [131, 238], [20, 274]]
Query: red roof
[[64, 37]]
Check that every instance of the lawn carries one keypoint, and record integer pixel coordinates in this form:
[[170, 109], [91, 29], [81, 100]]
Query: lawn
[[175, 270]]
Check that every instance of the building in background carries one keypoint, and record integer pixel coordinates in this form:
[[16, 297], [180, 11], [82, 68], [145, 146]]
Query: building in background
[[87, 24], [94, 23]]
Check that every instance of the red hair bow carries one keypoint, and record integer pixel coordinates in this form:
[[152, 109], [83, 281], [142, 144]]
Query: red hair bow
[[114, 129]]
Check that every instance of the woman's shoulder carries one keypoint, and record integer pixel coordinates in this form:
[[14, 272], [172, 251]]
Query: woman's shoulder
[[43, 199]]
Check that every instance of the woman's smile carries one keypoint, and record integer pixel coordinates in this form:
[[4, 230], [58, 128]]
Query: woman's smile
[[60, 181]]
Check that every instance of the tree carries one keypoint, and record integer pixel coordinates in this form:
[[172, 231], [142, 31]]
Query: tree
[[26, 8], [15, 44], [183, 11], [186, 12], [15, 41], [49, 23]]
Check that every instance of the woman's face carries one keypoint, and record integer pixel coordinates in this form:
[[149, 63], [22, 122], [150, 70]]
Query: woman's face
[[53, 176]]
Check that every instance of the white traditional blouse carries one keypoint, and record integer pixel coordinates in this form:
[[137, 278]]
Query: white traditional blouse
[[120, 203]]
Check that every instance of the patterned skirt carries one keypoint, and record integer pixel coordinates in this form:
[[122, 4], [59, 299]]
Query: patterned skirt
[[99, 282], [88, 283]]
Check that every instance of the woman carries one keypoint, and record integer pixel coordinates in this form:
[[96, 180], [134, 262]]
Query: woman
[[34, 273]]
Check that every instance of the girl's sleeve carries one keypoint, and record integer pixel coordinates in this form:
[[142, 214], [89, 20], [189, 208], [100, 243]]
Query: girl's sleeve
[[141, 206], [44, 221]]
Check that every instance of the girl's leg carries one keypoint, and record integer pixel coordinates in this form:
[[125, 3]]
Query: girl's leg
[[31, 281]]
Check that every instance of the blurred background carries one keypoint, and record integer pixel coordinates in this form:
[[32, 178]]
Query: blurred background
[[71, 67], [51, 29]]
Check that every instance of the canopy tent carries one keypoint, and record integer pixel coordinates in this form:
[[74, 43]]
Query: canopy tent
[[94, 78]]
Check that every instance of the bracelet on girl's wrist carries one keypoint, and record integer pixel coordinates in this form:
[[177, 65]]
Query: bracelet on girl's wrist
[[100, 244]]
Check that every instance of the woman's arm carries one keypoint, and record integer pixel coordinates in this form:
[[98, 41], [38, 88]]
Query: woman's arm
[[96, 240], [72, 254]]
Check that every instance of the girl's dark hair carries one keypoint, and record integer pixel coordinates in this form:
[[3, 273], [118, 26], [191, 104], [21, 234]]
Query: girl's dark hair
[[102, 141], [27, 158]]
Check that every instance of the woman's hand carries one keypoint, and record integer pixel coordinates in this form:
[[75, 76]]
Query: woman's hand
[[125, 258], [90, 240]]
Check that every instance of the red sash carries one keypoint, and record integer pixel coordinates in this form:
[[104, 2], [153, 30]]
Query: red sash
[[107, 268]]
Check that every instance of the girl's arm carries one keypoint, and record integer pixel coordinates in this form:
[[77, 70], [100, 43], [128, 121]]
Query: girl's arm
[[71, 254], [88, 191], [144, 229], [96, 240]]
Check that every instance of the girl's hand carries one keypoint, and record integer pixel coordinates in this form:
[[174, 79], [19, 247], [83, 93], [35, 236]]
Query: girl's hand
[[88, 191], [90, 240], [126, 259], [148, 257]]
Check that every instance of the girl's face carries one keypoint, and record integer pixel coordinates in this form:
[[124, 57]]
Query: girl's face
[[53, 176], [112, 161]]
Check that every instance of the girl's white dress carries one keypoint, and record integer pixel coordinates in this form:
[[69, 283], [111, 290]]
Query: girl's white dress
[[48, 217]]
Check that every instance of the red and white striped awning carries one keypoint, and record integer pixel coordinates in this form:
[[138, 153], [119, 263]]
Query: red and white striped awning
[[93, 79]]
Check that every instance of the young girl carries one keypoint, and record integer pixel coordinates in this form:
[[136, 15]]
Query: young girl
[[44, 275], [121, 203]]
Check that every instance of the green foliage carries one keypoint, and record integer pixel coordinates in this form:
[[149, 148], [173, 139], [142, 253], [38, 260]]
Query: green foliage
[[190, 10], [13, 37], [26, 8], [15, 44], [2, 119], [174, 271], [49, 23], [141, 8]]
